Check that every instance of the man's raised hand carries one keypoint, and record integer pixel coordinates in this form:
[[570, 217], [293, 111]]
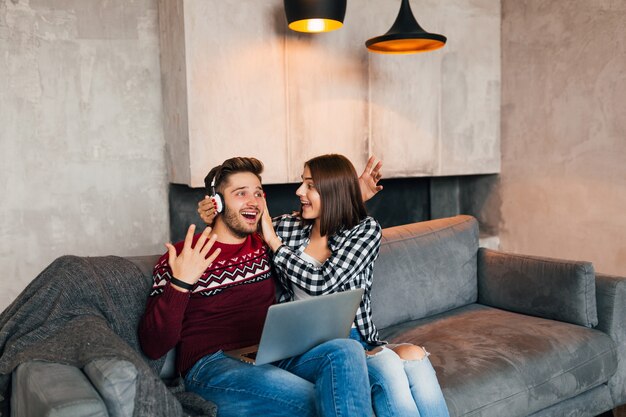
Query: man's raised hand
[[189, 265]]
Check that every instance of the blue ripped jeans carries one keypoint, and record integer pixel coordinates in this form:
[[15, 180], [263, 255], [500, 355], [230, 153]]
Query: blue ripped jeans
[[328, 380], [402, 387]]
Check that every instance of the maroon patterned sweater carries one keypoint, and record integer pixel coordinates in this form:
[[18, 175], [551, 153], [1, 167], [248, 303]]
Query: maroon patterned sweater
[[225, 310]]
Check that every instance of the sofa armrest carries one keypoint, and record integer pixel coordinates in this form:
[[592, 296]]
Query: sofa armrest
[[53, 390], [116, 382], [611, 299], [544, 287]]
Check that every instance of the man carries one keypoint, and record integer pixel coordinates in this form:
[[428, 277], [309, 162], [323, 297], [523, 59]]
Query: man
[[211, 294]]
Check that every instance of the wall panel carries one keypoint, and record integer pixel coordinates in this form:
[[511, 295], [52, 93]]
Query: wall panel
[[255, 88]]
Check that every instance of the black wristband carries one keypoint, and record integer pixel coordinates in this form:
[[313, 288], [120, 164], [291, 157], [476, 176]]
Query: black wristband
[[181, 284]]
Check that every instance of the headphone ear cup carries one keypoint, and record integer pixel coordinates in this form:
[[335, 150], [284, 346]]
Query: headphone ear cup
[[219, 202]]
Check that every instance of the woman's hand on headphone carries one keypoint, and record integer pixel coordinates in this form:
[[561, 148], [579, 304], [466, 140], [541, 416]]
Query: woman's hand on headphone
[[207, 210], [267, 230], [189, 265]]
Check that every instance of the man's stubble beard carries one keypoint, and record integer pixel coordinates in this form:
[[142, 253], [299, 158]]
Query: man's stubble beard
[[233, 223]]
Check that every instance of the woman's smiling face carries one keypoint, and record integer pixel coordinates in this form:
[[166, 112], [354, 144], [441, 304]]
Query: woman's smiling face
[[310, 200]]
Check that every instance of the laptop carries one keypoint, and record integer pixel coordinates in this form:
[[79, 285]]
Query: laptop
[[293, 328]]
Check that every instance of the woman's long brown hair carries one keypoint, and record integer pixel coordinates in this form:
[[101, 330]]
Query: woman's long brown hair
[[336, 181]]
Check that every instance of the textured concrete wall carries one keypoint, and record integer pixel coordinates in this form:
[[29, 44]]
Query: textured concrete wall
[[82, 167], [563, 182]]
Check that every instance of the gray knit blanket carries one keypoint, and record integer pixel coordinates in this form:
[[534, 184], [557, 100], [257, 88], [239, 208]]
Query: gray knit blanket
[[81, 309]]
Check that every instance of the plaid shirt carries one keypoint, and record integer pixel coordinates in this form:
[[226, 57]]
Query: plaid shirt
[[349, 266]]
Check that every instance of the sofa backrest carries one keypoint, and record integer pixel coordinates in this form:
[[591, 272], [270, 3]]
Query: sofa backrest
[[425, 268], [145, 264]]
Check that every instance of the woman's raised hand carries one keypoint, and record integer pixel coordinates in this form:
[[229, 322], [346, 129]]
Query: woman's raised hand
[[207, 210], [189, 265], [368, 181]]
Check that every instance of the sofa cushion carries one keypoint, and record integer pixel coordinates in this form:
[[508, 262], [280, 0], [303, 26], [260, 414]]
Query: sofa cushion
[[115, 380], [53, 390], [425, 268], [492, 362], [544, 287]]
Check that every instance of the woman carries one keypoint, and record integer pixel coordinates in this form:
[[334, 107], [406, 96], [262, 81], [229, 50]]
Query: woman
[[331, 246]]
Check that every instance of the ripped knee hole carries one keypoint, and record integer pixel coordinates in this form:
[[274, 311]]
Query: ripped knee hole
[[410, 352]]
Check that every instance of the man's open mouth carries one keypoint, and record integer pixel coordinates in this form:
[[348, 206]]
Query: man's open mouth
[[250, 215]]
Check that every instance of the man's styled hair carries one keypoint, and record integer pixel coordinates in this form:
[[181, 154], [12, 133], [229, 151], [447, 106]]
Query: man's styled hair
[[336, 181], [229, 167]]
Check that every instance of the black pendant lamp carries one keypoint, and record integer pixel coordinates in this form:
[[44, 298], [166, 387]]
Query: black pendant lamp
[[406, 36], [315, 15]]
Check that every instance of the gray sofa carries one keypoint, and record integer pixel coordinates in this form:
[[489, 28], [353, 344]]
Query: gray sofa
[[509, 335]]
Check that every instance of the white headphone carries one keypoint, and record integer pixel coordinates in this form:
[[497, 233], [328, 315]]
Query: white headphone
[[219, 200]]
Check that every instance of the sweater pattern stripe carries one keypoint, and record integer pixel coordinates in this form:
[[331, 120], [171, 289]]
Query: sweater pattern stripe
[[221, 275]]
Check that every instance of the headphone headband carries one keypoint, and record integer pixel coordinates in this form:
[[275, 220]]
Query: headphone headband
[[214, 180]]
